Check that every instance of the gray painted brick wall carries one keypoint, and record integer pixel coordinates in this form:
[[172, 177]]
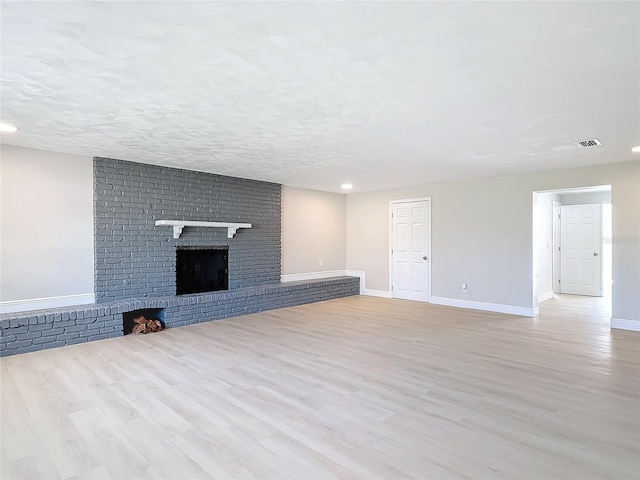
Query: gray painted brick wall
[[134, 258]]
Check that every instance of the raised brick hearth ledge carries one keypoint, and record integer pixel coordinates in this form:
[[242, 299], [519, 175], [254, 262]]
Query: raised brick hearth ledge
[[23, 332]]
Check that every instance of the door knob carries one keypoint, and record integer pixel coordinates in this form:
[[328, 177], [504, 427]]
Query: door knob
[[595, 254], [425, 257]]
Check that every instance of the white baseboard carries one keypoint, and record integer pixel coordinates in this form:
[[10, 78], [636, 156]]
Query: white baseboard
[[12, 306], [489, 307], [377, 293], [625, 324], [544, 297], [295, 277]]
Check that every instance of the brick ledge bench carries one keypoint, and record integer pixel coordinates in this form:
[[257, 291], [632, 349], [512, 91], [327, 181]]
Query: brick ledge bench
[[23, 332]]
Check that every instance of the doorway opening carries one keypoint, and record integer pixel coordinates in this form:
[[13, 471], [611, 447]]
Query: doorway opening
[[572, 250]]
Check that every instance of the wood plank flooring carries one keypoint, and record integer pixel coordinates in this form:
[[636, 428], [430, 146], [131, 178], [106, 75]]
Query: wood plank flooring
[[358, 387]]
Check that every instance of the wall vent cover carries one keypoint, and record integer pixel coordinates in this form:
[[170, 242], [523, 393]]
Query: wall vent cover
[[592, 142]]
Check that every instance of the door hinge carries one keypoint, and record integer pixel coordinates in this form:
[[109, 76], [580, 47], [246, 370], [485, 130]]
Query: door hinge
[[391, 287]]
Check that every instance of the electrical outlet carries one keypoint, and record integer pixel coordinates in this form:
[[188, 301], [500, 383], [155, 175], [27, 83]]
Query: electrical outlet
[[465, 287], [320, 262]]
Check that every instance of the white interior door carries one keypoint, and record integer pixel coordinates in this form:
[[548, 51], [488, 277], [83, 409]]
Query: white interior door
[[581, 249], [411, 247]]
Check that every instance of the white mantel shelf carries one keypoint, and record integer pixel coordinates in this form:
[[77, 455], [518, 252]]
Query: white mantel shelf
[[178, 225]]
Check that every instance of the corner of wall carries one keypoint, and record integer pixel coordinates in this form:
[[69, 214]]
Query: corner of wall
[[625, 324]]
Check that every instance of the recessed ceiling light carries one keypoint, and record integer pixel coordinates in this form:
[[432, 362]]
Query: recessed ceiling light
[[5, 127], [347, 186], [636, 149]]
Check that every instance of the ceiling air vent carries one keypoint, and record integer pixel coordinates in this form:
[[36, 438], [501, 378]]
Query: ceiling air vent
[[592, 142]]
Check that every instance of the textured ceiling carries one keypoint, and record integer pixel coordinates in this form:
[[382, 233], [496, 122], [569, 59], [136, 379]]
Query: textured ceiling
[[316, 94]]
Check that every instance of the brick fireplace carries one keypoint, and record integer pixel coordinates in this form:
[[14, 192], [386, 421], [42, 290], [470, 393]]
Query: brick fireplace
[[136, 261]]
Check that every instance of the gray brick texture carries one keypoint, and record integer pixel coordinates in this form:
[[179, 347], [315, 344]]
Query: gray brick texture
[[134, 258]]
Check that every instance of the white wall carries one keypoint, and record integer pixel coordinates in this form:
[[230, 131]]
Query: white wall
[[543, 243], [46, 228], [585, 198], [313, 230], [482, 234], [473, 238]]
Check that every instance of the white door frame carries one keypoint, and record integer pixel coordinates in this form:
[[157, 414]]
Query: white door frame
[[555, 244], [391, 204], [584, 189]]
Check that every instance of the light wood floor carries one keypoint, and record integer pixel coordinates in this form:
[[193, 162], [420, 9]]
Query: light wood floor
[[359, 387]]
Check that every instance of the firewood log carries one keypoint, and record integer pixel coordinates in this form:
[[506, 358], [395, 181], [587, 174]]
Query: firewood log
[[138, 328], [142, 325]]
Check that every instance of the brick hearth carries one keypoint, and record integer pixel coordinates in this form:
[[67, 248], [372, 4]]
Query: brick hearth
[[38, 330]]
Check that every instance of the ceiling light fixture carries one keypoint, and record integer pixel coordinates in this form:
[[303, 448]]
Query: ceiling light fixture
[[347, 186], [5, 127], [636, 149]]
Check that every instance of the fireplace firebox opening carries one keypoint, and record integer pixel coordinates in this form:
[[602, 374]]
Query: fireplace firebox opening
[[201, 269]]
